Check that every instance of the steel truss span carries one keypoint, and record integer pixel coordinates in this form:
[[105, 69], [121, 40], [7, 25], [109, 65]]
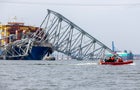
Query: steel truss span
[[69, 39]]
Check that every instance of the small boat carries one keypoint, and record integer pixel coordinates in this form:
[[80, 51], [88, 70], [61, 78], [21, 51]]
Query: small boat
[[102, 62], [49, 58]]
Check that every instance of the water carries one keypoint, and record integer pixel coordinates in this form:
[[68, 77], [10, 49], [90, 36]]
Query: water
[[68, 75]]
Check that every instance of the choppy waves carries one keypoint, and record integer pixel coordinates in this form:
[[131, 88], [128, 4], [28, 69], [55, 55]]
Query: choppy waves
[[68, 75]]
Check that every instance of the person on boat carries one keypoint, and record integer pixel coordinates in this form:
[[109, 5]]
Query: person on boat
[[108, 59], [119, 60], [111, 59]]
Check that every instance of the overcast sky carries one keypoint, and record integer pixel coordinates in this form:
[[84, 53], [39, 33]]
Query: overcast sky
[[106, 20]]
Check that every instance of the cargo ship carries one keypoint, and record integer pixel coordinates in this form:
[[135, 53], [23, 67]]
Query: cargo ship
[[23, 42]]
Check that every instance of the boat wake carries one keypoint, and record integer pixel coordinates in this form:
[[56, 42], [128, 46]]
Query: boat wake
[[86, 64], [133, 64]]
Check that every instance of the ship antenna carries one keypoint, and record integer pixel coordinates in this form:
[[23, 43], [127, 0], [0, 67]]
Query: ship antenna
[[15, 19]]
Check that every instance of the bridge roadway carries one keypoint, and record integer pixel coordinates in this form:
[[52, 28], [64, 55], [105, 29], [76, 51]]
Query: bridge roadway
[[69, 39]]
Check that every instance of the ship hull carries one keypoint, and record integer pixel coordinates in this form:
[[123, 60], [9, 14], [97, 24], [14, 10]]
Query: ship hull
[[36, 53]]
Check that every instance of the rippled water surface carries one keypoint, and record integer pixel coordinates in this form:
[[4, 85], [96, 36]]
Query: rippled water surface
[[68, 75]]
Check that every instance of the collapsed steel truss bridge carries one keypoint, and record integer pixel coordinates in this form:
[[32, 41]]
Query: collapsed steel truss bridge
[[69, 39]]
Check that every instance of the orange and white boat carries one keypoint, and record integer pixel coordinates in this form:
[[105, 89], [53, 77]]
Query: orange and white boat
[[102, 62]]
